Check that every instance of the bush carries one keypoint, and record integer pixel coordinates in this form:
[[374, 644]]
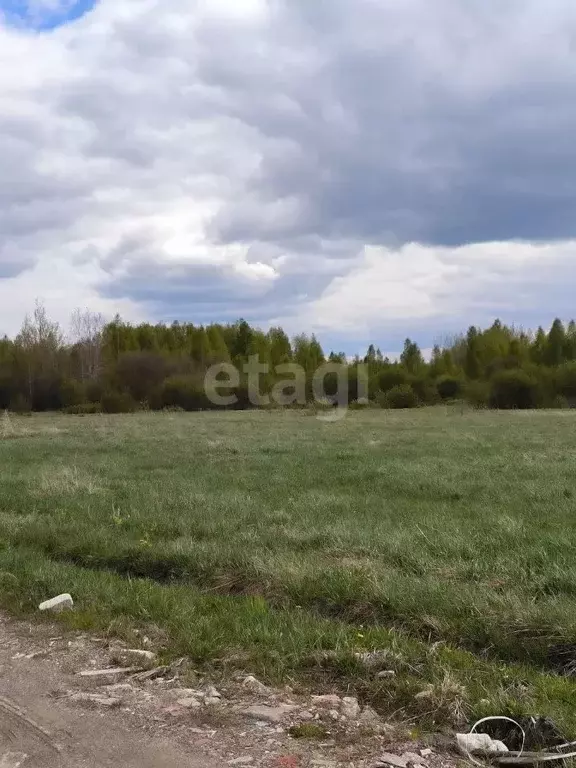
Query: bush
[[94, 392], [83, 409], [140, 373], [72, 393], [117, 402], [566, 381], [402, 396], [391, 377], [19, 404], [477, 393], [449, 387], [425, 390], [513, 389], [185, 392]]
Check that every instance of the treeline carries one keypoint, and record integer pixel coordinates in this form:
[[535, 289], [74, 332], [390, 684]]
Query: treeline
[[119, 367]]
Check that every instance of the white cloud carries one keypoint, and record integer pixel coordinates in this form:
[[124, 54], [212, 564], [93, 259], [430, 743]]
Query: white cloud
[[277, 159], [423, 284]]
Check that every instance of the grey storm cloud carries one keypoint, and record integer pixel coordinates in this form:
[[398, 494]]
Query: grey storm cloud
[[238, 156]]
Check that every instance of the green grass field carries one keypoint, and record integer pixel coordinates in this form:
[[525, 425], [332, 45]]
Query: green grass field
[[285, 545]]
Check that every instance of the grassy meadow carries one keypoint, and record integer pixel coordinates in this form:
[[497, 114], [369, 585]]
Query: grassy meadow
[[285, 545]]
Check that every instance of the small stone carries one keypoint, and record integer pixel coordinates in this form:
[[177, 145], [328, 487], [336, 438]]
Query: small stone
[[252, 683], [369, 717], [212, 701], [58, 604], [119, 688], [190, 703], [350, 707], [269, 714], [242, 761], [394, 760], [331, 700], [185, 693], [12, 759], [412, 758], [386, 673], [93, 698], [105, 676], [334, 714], [151, 674], [38, 655], [133, 657], [426, 752], [212, 693], [305, 715], [373, 659]]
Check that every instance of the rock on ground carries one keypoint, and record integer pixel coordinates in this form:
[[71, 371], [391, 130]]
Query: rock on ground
[[58, 604]]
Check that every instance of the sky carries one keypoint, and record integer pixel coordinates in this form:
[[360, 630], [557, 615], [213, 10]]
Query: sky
[[363, 169]]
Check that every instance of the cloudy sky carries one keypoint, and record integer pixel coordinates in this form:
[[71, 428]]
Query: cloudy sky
[[366, 169]]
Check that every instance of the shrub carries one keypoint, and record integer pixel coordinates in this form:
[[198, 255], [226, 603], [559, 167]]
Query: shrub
[[72, 393], [185, 392], [425, 390], [47, 392], [513, 389], [94, 391], [19, 404], [449, 387], [83, 409], [566, 381], [140, 373], [391, 377], [402, 396], [117, 402], [477, 393]]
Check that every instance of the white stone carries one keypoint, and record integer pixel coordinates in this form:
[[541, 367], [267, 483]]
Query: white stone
[[58, 604], [12, 759], [426, 752], [119, 688], [94, 698], [212, 701], [105, 676], [369, 716], [212, 693], [479, 743], [350, 707], [251, 683], [394, 760], [189, 703], [242, 760], [269, 714], [331, 700], [185, 693]]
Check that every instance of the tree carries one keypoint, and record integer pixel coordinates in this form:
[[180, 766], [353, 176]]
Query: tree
[[472, 364], [280, 347], [39, 343], [555, 344], [86, 332], [411, 357], [219, 352]]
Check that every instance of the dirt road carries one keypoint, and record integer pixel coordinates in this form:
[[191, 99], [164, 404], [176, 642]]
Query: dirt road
[[55, 715], [40, 730]]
